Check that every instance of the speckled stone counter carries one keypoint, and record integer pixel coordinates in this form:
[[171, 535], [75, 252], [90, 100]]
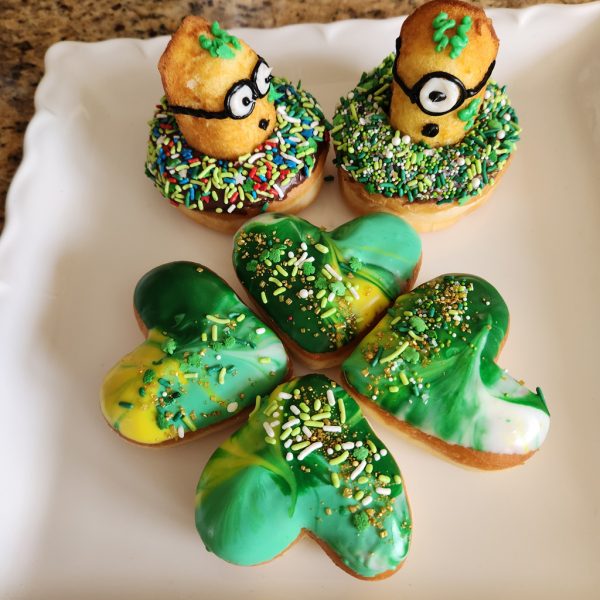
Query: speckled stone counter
[[27, 29]]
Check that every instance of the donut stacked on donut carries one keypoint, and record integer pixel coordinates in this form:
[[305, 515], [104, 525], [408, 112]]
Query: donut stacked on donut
[[228, 140], [426, 135]]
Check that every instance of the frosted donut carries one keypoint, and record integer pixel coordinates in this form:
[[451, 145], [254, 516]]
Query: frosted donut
[[205, 358], [306, 462], [426, 135], [228, 140], [429, 367]]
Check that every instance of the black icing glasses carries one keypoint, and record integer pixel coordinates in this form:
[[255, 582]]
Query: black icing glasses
[[439, 92], [240, 98]]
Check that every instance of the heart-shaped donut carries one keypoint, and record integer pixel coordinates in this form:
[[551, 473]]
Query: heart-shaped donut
[[206, 358], [322, 290], [429, 367], [306, 461]]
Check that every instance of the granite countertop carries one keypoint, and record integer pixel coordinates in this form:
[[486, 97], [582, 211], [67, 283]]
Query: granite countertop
[[28, 28]]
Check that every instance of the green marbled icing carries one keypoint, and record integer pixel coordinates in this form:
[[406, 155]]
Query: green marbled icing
[[254, 497], [375, 255], [445, 382], [206, 357]]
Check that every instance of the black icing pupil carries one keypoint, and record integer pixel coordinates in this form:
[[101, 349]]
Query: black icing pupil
[[436, 96], [246, 101]]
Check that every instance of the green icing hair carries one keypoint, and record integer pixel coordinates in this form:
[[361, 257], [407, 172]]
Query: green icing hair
[[222, 44]]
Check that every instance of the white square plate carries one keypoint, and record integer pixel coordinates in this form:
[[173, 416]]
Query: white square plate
[[83, 514]]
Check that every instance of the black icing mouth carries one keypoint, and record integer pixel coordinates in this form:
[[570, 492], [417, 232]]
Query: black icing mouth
[[430, 130], [263, 123]]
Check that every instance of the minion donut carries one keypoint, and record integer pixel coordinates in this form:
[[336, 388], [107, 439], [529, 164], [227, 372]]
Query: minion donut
[[427, 134], [229, 140]]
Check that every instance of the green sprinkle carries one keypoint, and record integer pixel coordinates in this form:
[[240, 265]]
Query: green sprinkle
[[322, 249], [142, 392], [264, 360], [263, 297], [148, 376], [279, 291], [304, 407], [335, 480], [300, 445], [222, 375], [359, 495], [329, 313], [124, 404], [338, 460], [281, 270], [393, 389], [270, 440], [360, 453], [395, 353], [214, 335], [403, 378], [397, 479], [384, 478], [214, 319], [169, 346], [360, 520], [342, 409], [372, 446]]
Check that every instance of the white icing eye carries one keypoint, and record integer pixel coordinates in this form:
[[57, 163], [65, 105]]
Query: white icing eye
[[262, 77], [241, 101], [439, 95]]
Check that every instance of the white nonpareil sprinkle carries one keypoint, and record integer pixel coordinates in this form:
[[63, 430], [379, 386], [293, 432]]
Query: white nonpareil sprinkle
[[290, 423], [383, 452], [277, 189], [333, 272], [475, 182], [306, 431], [376, 456], [358, 444], [288, 443], [358, 470], [290, 254], [289, 456], [232, 407], [314, 446], [329, 451], [389, 154], [332, 428], [231, 208], [406, 139], [180, 431], [303, 246], [501, 134], [303, 294], [348, 445], [275, 423], [383, 491], [507, 117], [395, 141], [284, 395], [487, 94], [331, 297], [461, 161], [276, 414], [260, 331], [269, 429], [353, 292], [330, 398], [367, 500], [294, 409]]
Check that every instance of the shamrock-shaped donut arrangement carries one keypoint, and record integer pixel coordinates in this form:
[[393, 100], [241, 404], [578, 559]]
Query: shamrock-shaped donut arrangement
[[205, 359], [423, 135], [306, 461], [321, 289], [429, 366], [229, 140]]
